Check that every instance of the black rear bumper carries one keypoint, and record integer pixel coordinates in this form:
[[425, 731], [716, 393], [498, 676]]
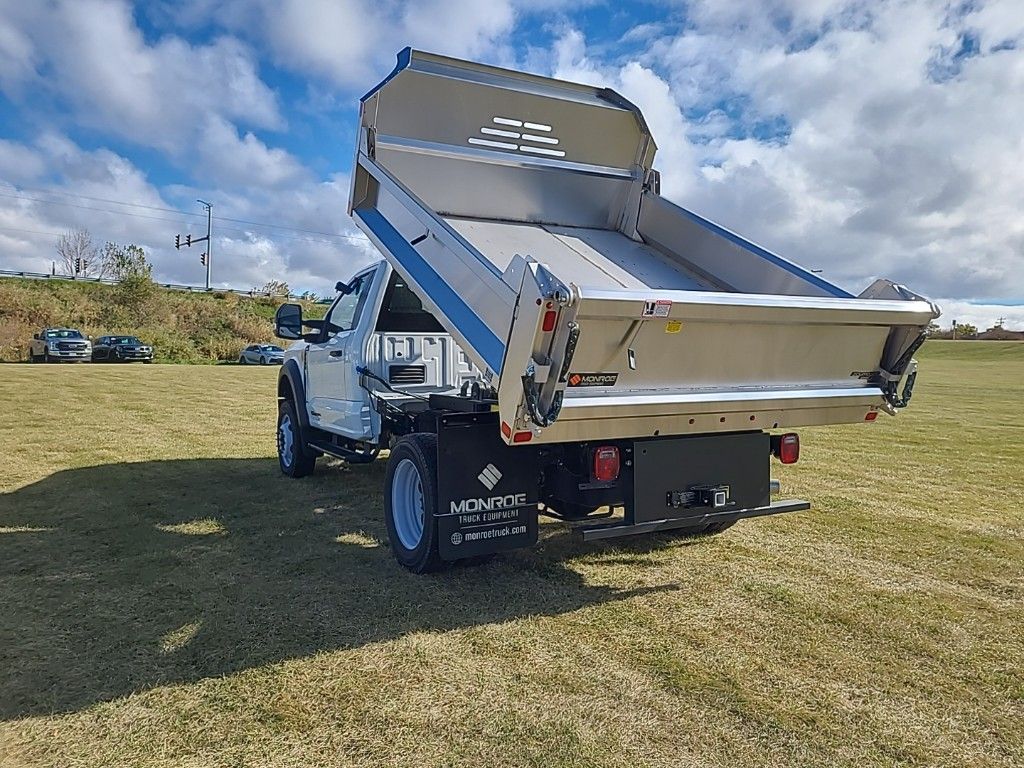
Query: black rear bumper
[[614, 530]]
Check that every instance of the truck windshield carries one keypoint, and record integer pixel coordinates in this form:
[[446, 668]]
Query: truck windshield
[[63, 334], [124, 340]]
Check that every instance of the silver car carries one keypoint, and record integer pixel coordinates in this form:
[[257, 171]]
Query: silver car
[[261, 354], [53, 345]]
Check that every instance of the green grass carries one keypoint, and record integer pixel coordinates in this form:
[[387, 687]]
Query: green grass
[[169, 599]]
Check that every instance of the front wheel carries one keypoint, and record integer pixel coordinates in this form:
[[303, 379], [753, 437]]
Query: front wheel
[[410, 502], [291, 450], [242, 360]]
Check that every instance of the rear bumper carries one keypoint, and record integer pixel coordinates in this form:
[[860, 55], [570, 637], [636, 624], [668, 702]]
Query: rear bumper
[[615, 530]]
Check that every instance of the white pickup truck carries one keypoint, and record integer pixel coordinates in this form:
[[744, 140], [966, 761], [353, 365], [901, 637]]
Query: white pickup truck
[[547, 334]]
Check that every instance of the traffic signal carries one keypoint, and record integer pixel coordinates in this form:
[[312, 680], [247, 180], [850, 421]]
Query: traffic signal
[[177, 242], [188, 240], [78, 266], [202, 259]]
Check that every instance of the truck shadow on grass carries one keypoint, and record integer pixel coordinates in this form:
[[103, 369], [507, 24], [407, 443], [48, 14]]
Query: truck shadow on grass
[[118, 578]]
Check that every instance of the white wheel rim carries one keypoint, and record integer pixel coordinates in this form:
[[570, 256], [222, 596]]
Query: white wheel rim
[[407, 508], [285, 439]]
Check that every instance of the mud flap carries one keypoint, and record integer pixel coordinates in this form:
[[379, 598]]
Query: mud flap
[[487, 492]]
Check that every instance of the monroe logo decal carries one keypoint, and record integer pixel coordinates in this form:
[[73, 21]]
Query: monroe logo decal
[[489, 476], [490, 510], [592, 379]]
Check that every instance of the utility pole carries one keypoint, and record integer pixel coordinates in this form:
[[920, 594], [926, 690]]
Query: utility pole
[[205, 258]]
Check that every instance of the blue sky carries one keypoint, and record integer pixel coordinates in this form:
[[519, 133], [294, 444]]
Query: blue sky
[[862, 139]]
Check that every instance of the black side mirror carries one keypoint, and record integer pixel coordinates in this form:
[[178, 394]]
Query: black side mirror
[[288, 322], [346, 288], [35, 336]]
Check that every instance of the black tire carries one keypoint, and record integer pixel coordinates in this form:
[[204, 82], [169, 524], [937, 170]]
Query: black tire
[[292, 455], [46, 357], [146, 362], [242, 360], [421, 450]]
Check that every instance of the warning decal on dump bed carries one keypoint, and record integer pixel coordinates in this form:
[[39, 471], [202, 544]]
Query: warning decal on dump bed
[[659, 308]]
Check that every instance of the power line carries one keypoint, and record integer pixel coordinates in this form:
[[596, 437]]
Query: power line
[[352, 238], [105, 200], [30, 231]]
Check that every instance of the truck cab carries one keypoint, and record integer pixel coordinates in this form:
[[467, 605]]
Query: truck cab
[[376, 324]]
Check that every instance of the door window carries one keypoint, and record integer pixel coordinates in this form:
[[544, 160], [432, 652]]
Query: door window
[[344, 314]]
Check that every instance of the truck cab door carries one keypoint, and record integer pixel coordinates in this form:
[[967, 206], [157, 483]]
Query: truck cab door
[[334, 398]]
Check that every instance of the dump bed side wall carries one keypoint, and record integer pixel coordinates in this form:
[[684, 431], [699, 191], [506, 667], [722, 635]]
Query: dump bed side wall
[[738, 263]]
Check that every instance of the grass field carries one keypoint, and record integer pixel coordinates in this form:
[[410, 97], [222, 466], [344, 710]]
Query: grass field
[[167, 598]]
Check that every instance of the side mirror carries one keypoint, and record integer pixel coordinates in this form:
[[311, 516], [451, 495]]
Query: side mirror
[[288, 322], [35, 336], [346, 288]]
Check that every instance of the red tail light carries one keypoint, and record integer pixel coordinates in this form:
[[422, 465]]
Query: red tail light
[[786, 448], [549, 321], [606, 463]]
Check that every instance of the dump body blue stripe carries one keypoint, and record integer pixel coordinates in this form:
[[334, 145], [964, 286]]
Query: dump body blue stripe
[[404, 59], [793, 269], [466, 320]]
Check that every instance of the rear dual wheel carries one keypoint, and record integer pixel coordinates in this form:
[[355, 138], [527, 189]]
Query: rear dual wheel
[[410, 502]]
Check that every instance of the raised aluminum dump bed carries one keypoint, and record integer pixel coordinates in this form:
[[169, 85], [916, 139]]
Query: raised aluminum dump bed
[[525, 213]]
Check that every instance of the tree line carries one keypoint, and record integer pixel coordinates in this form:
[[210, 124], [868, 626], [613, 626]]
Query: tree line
[[80, 256]]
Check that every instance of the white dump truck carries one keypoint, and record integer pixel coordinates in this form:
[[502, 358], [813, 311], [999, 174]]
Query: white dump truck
[[546, 334]]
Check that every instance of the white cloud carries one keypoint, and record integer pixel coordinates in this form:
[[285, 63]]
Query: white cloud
[[245, 161], [352, 43], [858, 139], [245, 255], [91, 55], [888, 165], [981, 316]]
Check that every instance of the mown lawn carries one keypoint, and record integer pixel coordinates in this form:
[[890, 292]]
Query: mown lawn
[[167, 598]]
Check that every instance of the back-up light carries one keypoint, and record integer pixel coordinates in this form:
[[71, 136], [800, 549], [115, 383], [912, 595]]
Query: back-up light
[[786, 448], [606, 463]]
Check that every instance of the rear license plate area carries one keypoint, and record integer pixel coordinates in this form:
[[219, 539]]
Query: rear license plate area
[[684, 477]]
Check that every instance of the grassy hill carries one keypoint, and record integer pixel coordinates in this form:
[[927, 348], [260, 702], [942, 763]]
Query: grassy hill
[[972, 351], [183, 327]]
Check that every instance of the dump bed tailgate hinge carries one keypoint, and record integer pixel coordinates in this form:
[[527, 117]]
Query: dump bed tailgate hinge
[[531, 388]]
